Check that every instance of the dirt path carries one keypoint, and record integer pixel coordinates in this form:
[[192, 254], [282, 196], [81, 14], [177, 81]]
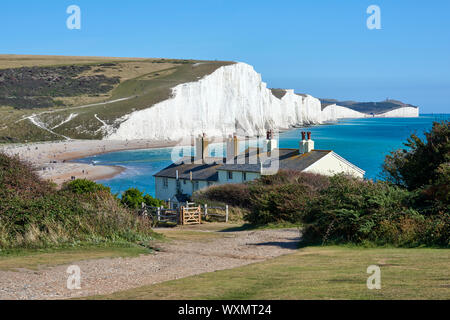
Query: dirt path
[[191, 252]]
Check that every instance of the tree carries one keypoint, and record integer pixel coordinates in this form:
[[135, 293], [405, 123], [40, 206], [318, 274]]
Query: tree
[[424, 168], [133, 198], [153, 202], [423, 163]]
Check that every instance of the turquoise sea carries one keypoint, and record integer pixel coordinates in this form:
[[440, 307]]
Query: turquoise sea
[[364, 142]]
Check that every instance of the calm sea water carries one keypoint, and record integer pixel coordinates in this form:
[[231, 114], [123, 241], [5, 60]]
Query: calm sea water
[[364, 142]]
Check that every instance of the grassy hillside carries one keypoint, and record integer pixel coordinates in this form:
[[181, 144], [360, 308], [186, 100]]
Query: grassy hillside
[[46, 98], [34, 214], [367, 107]]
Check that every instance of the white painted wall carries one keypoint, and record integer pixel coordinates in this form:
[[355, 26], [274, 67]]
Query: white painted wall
[[238, 177], [186, 186], [333, 164]]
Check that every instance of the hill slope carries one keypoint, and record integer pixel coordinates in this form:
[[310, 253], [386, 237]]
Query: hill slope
[[52, 98], [34, 214]]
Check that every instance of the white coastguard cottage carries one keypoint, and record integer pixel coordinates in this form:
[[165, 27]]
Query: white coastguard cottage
[[180, 180]]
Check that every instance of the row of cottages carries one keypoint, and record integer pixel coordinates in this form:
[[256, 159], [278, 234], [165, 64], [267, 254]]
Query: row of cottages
[[180, 180]]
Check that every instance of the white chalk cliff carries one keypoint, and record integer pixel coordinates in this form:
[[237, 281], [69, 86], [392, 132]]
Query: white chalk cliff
[[405, 112], [334, 112], [231, 99]]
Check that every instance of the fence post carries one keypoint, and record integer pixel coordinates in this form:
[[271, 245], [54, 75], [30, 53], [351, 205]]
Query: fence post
[[159, 213], [144, 209], [226, 213], [206, 210]]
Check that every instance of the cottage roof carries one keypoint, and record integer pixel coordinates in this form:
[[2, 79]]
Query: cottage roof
[[289, 159], [200, 171]]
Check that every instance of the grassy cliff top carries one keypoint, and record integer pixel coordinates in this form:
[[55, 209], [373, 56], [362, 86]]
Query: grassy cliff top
[[66, 96]]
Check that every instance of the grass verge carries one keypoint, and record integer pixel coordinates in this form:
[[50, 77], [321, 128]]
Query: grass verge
[[331, 272], [34, 259]]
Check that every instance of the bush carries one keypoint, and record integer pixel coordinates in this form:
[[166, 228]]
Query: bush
[[153, 202], [83, 186], [133, 199], [341, 209], [418, 165], [34, 214], [351, 210], [231, 194]]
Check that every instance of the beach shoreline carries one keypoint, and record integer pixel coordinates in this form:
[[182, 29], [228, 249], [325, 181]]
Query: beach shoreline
[[57, 161]]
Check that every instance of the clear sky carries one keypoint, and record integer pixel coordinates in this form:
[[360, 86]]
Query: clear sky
[[320, 47]]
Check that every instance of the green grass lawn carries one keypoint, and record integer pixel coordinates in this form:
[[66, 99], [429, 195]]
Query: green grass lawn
[[33, 259], [330, 272]]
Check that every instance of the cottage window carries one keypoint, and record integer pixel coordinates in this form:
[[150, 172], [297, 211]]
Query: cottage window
[[165, 183], [244, 176], [230, 175]]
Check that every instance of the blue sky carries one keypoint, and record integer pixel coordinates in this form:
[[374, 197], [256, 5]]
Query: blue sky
[[320, 47]]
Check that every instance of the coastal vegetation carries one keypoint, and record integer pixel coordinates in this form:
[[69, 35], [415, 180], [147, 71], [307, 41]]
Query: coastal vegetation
[[35, 214], [66, 96], [134, 198], [37, 87], [411, 208]]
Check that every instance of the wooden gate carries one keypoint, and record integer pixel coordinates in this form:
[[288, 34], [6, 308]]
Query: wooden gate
[[191, 215]]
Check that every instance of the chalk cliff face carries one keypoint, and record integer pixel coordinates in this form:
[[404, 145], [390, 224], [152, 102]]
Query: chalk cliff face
[[231, 99], [334, 112], [405, 112]]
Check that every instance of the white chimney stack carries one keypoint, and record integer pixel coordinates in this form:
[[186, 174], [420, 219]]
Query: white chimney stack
[[232, 148], [201, 149], [307, 144], [271, 142]]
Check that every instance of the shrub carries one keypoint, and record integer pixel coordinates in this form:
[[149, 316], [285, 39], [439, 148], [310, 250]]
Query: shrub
[[339, 209], [231, 194], [34, 214], [83, 186], [153, 202], [133, 198], [418, 165], [351, 210]]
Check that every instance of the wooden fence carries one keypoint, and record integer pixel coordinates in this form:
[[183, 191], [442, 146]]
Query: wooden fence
[[160, 214], [186, 215], [214, 212]]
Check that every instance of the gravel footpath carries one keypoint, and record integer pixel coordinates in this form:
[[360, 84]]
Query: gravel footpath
[[178, 259]]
